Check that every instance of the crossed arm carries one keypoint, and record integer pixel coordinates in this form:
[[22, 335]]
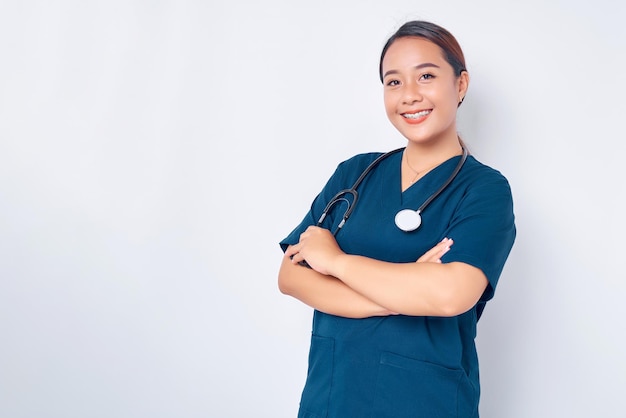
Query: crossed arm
[[358, 287]]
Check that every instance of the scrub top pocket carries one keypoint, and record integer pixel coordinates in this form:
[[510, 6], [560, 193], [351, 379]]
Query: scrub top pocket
[[410, 388], [316, 393]]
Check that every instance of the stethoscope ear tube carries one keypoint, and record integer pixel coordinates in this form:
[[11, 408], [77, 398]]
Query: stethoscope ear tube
[[340, 197], [352, 190]]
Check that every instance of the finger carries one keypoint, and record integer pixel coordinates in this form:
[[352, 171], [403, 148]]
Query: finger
[[443, 245], [295, 257], [429, 257], [291, 250], [434, 254]]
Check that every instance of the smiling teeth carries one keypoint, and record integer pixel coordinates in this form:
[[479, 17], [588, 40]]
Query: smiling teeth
[[416, 115]]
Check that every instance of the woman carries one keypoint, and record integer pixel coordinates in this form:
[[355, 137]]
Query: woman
[[396, 309]]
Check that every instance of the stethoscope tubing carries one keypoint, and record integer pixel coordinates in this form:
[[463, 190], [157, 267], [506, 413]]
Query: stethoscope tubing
[[340, 196], [447, 182], [352, 191]]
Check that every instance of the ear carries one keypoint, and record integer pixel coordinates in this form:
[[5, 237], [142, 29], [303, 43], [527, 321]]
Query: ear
[[463, 85]]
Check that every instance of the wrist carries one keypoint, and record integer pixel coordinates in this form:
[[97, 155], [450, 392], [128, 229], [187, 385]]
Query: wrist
[[340, 265]]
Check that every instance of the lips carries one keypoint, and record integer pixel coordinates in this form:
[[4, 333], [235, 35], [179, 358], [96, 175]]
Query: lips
[[416, 117]]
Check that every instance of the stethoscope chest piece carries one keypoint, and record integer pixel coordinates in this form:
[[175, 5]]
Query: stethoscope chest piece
[[408, 220]]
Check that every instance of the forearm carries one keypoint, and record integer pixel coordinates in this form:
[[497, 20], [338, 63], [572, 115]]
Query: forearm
[[325, 293], [424, 289]]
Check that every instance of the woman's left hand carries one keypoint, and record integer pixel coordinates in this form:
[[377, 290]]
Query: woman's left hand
[[317, 247], [434, 254]]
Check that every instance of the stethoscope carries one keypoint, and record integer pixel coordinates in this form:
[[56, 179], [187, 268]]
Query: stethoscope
[[406, 219]]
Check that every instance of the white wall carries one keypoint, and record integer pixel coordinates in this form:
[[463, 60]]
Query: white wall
[[153, 153]]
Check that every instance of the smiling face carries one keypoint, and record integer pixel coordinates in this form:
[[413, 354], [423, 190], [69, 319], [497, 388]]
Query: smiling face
[[421, 91]]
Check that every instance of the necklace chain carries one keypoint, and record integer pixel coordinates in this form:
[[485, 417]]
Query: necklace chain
[[417, 173]]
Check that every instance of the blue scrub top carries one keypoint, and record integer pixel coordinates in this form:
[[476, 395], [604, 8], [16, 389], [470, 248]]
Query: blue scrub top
[[407, 366]]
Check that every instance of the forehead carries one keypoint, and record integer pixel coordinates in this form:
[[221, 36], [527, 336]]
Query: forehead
[[410, 52]]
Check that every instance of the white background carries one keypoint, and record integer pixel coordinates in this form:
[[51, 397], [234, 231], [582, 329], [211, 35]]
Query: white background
[[154, 153]]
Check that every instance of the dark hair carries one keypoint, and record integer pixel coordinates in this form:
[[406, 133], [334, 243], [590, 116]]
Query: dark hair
[[433, 33]]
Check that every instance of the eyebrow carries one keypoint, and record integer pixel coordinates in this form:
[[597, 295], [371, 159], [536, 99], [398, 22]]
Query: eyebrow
[[417, 67]]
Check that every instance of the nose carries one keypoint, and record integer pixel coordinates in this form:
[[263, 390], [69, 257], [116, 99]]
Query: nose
[[412, 93]]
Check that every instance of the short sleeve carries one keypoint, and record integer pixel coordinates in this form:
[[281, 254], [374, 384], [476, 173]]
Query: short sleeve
[[483, 228]]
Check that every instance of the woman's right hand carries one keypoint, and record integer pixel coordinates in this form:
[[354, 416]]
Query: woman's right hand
[[434, 254]]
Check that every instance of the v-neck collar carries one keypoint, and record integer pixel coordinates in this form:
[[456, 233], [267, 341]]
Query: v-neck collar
[[427, 184]]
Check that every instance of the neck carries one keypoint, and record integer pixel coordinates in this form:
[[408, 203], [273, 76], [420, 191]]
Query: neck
[[422, 157]]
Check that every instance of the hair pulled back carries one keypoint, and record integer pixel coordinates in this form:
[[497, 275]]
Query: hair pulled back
[[431, 32]]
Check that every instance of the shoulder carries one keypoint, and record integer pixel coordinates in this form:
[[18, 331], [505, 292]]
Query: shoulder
[[479, 174], [351, 168], [485, 188], [359, 160]]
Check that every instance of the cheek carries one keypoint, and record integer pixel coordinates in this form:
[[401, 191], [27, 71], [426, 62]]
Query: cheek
[[448, 98], [454, 93], [390, 103]]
